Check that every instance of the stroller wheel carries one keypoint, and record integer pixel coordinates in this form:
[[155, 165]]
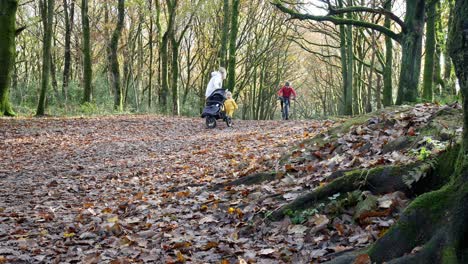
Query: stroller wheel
[[210, 122], [228, 121]]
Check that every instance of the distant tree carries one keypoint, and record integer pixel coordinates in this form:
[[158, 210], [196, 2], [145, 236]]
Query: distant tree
[[47, 14], [114, 62], [231, 82], [87, 68]]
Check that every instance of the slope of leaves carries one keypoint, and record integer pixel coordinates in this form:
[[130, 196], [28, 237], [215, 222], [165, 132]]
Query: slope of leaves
[[130, 188], [140, 188]]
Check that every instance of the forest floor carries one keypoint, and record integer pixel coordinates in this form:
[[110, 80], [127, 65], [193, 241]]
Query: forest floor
[[153, 189]]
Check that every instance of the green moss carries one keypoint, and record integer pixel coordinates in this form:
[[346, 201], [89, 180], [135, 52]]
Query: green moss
[[449, 255], [435, 202]]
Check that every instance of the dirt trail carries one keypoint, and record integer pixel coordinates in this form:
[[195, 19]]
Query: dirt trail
[[137, 189]]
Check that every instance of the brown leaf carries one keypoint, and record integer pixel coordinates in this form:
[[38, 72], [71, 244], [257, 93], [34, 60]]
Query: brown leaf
[[210, 245], [362, 259]]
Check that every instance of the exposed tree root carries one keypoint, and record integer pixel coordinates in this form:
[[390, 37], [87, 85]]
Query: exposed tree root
[[432, 229], [378, 180]]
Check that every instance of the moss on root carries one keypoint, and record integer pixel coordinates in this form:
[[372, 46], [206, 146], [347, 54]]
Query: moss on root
[[378, 180]]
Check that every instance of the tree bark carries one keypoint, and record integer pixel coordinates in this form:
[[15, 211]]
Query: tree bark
[[150, 67], [344, 69], [47, 13], [224, 35], [448, 76], [7, 53], [115, 68], [388, 69], [430, 52], [164, 54], [68, 12], [411, 52], [349, 67], [87, 68], [231, 83]]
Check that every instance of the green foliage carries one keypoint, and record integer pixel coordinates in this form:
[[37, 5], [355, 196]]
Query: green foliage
[[299, 217], [424, 153]]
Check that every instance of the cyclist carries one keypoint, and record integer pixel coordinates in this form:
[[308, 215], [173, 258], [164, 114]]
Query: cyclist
[[286, 93]]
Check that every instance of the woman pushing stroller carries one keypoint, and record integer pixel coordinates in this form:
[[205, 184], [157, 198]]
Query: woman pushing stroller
[[215, 100]]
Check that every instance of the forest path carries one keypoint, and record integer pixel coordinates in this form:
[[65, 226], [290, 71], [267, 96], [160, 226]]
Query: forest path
[[135, 188]]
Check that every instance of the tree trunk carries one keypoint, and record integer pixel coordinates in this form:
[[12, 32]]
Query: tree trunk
[[7, 52], [344, 70], [430, 52], [349, 67], [164, 54], [439, 85], [175, 76], [371, 72], [388, 69], [87, 68], [115, 68], [150, 67], [411, 45], [224, 35], [47, 13], [448, 77], [69, 16], [233, 46]]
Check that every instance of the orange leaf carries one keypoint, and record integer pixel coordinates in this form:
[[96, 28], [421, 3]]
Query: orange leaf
[[224, 261], [340, 229], [310, 168], [362, 259], [183, 194], [411, 131], [318, 154], [179, 245], [138, 196], [180, 257], [210, 245], [290, 168], [88, 205]]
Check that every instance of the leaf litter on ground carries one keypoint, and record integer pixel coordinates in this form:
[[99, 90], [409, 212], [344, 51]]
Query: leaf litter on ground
[[139, 188]]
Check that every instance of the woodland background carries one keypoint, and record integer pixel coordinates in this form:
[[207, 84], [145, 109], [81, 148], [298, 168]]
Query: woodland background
[[156, 56]]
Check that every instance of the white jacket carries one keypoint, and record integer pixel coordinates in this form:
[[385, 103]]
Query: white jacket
[[216, 82]]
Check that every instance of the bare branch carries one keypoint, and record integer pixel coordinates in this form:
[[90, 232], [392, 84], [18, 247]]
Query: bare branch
[[337, 21], [381, 11]]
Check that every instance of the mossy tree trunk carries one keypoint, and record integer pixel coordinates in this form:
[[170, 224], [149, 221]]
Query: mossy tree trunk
[[411, 43], [439, 85], [150, 47], [114, 62], [430, 52], [231, 83], [7, 52], [349, 66], [224, 35], [69, 14], [47, 14], [344, 69], [164, 54], [388, 68], [87, 68], [175, 76], [448, 76]]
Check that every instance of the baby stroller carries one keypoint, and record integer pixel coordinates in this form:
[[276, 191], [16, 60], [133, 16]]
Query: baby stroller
[[214, 109]]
